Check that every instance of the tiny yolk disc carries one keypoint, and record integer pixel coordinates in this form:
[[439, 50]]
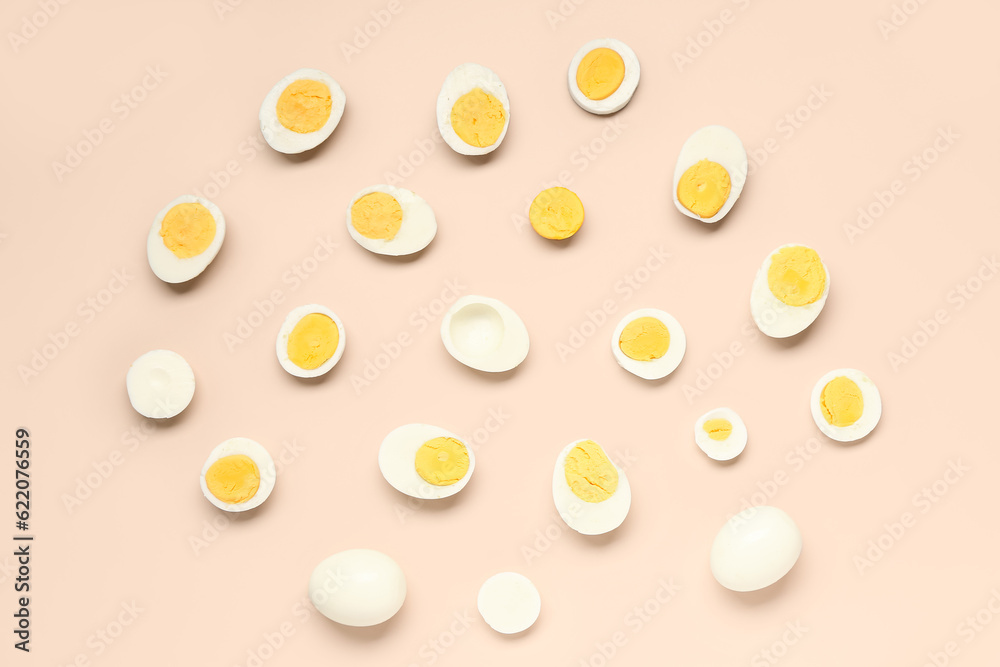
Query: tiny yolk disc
[[478, 118], [644, 339], [718, 429], [556, 213], [704, 188], [188, 229], [600, 73], [304, 106]]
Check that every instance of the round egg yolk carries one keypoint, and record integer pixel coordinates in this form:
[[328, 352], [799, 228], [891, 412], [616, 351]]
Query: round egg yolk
[[718, 429], [796, 276], [313, 341], [841, 401], [600, 73], [377, 215], [644, 339], [304, 106], [478, 118], [556, 213], [442, 461], [233, 479], [188, 229], [704, 188], [589, 473]]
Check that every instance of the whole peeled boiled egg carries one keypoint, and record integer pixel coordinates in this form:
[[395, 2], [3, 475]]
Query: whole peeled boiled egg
[[185, 237], [846, 405], [591, 493], [485, 334], [311, 341], [301, 111], [390, 221], [755, 548], [238, 475], [358, 587], [789, 291], [649, 343], [473, 110], [710, 173], [603, 75], [425, 461]]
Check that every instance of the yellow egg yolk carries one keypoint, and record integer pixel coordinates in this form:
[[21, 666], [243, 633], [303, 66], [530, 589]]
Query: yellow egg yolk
[[704, 188], [478, 118], [644, 339], [590, 474], [233, 479], [841, 401], [600, 73], [313, 341], [442, 461], [377, 215], [188, 229], [304, 106], [556, 213], [718, 429], [796, 275]]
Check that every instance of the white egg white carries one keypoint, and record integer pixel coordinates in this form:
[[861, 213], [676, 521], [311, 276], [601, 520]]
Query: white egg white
[[509, 602], [416, 231], [589, 518], [484, 334], [283, 140], [358, 587], [281, 345], [720, 145], [167, 266], [265, 466], [755, 548], [461, 80], [777, 319], [655, 368], [721, 450], [616, 100], [871, 411], [397, 461], [160, 384]]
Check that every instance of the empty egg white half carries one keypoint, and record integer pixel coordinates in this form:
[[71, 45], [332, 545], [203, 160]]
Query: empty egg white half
[[800, 269], [846, 405], [655, 354], [484, 334], [599, 94], [721, 434], [160, 384], [238, 475], [479, 123], [755, 548], [718, 145], [390, 221], [358, 587], [446, 461], [509, 602], [185, 237], [591, 493], [311, 341], [301, 111]]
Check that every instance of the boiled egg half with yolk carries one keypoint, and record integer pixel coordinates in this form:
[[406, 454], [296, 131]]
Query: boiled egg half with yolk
[[591, 493], [185, 237], [425, 461], [238, 475], [710, 173], [390, 221], [485, 334], [846, 405], [721, 434], [311, 341], [789, 291], [649, 343], [301, 111], [603, 76], [473, 110]]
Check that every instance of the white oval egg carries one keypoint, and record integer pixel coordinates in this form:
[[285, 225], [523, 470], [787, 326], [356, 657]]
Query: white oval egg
[[484, 334], [591, 493], [184, 239], [649, 343], [473, 110], [311, 341], [301, 111], [721, 434], [801, 283], [390, 221], [608, 78], [238, 475], [425, 461], [755, 548], [846, 405], [509, 602], [705, 184], [358, 587], [160, 384]]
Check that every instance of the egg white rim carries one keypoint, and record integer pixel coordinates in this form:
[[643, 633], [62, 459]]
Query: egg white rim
[[397, 461], [871, 412], [589, 518], [265, 466], [167, 266], [788, 320], [417, 230], [283, 140], [724, 148], [513, 346], [721, 450], [654, 369], [616, 100], [281, 344], [484, 78]]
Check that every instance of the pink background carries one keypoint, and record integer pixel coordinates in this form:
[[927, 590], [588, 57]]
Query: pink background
[[130, 540]]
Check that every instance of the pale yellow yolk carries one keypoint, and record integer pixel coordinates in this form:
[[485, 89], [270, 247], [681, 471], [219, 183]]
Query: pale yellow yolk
[[442, 461], [590, 474], [233, 479], [377, 215], [704, 188], [718, 429], [600, 73], [304, 106], [556, 213], [188, 229], [478, 118], [841, 401], [313, 341], [796, 276], [644, 339]]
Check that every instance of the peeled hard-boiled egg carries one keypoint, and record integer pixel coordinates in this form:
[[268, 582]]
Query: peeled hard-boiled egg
[[311, 341], [473, 110], [603, 76], [358, 587], [301, 111], [755, 548], [591, 493], [238, 475], [390, 221], [160, 384], [425, 461], [556, 213], [484, 334], [185, 237], [710, 173], [789, 291], [846, 405], [649, 343], [509, 602], [721, 434]]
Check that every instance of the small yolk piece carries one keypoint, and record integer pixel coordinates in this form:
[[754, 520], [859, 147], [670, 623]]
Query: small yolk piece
[[556, 213], [377, 215], [304, 106], [233, 479], [841, 401], [188, 229], [704, 188], [590, 474], [796, 276], [442, 461], [313, 341], [644, 339], [600, 73], [718, 429], [478, 118]]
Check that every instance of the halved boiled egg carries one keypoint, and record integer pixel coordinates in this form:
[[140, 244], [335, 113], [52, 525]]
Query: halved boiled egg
[[390, 221], [789, 291], [473, 110], [238, 475], [591, 493], [846, 405], [603, 75], [509, 602], [425, 461], [721, 434], [301, 111], [185, 237], [311, 341], [710, 173], [649, 343], [160, 384], [556, 213], [484, 334]]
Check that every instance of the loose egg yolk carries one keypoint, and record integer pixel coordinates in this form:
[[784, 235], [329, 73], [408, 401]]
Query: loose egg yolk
[[313, 341], [304, 106], [796, 275], [590, 474], [442, 461], [188, 229], [478, 118], [841, 401], [644, 339], [377, 215], [600, 73], [556, 213], [233, 479], [704, 188], [718, 429]]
